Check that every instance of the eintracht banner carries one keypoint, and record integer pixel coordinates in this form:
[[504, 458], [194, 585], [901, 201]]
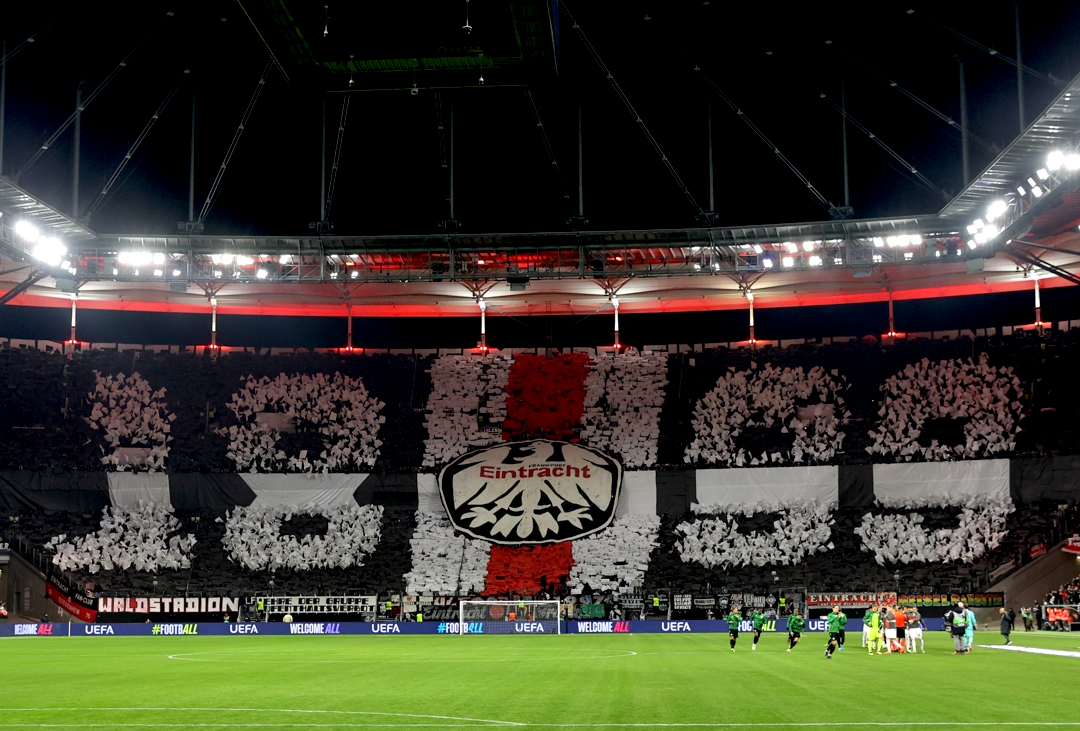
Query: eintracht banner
[[851, 599], [532, 492]]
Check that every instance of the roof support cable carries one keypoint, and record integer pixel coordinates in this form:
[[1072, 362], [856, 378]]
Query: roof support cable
[[37, 36], [550, 153], [814, 192], [908, 167], [90, 98], [107, 188], [933, 110], [633, 112], [1048, 78], [337, 155], [216, 187], [1046, 266], [440, 127]]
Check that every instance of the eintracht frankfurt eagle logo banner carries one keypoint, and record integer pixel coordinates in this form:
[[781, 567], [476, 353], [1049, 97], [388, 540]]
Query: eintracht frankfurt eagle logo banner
[[539, 491]]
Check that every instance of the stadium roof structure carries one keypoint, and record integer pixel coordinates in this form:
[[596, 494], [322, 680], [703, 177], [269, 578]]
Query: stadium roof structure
[[959, 250], [368, 55], [1057, 128]]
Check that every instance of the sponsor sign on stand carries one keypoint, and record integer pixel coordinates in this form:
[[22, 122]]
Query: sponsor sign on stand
[[532, 492]]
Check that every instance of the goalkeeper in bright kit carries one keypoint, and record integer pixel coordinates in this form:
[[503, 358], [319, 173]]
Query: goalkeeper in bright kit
[[835, 621], [872, 621]]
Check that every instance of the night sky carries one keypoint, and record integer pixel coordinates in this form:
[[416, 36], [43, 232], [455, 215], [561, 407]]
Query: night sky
[[391, 180]]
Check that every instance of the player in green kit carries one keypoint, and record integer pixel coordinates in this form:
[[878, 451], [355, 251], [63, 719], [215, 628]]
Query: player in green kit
[[795, 627], [835, 622], [733, 620], [843, 630], [759, 619]]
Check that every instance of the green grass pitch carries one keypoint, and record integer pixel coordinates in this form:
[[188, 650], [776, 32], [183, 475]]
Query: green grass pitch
[[572, 681]]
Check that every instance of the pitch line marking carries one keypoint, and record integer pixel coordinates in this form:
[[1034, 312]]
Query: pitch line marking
[[272, 710], [228, 657], [345, 724], [1032, 650], [473, 722]]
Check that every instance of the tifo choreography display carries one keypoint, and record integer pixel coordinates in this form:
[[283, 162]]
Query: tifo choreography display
[[567, 487]]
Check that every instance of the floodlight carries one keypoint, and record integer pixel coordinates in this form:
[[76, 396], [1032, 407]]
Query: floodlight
[[978, 224], [1072, 162], [1021, 190], [879, 242], [971, 245], [1054, 160], [1037, 191], [980, 238], [991, 230], [1043, 175], [758, 248], [217, 274], [909, 255], [808, 246], [244, 261], [791, 247], [158, 272], [697, 267], [355, 274], [787, 261], [47, 250], [176, 272], [815, 261], [838, 261], [135, 258], [877, 258], [1031, 182], [262, 274], [159, 259], [27, 230], [996, 208], [767, 263]]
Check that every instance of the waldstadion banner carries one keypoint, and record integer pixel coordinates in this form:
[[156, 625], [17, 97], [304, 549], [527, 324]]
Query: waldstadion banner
[[168, 605], [450, 629]]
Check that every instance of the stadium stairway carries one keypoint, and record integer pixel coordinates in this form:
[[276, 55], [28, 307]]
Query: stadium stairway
[[1030, 584]]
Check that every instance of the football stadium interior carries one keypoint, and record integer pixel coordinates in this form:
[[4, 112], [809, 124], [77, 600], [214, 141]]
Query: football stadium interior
[[321, 322]]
